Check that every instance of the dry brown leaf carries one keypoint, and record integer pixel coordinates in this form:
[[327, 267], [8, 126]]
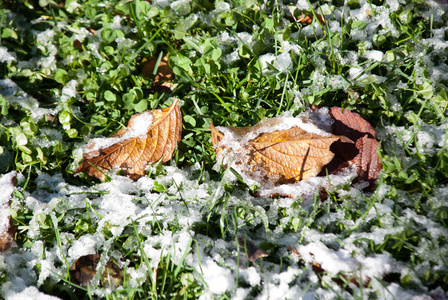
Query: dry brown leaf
[[302, 16], [164, 75], [85, 267], [7, 229], [253, 251], [366, 161], [150, 136], [278, 157], [308, 19], [78, 45]]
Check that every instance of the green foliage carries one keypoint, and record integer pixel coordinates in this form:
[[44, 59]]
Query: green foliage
[[73, 71]]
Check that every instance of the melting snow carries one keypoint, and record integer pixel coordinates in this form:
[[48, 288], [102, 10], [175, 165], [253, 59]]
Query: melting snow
[[140, 126], [121, 203]]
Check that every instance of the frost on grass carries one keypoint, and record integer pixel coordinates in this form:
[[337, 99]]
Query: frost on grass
[[356, 235], [165, 222], [7, 185], [16, 96]]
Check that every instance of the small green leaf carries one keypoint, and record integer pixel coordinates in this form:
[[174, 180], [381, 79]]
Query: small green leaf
[[158, 187], [379, 39], [72, 132], [141, 106], [21, 140], [9, 33], [64, 118], [179, 31], [108, 35], [244, 51], [61, 76], [269, 23], [25, 149], [216, 53], [360, 25], [109, 96], [190, 120]]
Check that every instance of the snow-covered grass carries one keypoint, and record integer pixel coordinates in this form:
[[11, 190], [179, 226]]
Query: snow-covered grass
[[72, 71]]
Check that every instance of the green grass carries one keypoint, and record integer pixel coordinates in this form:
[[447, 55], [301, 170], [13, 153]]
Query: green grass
[[80, 65]]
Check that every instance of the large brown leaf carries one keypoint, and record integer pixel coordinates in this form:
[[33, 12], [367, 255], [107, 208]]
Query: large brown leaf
[[363, 157], [150, 136], [277, 157]]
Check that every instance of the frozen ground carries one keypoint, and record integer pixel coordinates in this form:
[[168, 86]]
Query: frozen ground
[[170, 207], [123, 202]]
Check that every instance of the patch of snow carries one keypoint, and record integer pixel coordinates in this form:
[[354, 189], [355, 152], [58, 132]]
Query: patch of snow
[[5, 56], [30, 292], [7, 187], [15, 95], [138, 129], [374, 55], [69, 90], [218, 278]]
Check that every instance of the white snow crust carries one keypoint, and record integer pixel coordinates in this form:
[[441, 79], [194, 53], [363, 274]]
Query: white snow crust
[[7, 188], [139, 128], [218, 266]]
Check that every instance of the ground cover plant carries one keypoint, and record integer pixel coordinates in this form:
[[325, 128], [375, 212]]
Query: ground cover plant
[[74, 70]]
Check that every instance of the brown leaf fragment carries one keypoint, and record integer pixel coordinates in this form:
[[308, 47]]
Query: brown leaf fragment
[[85, 268], [163, 76], [150, 136], [308, 19], [78, 45], [216, 135], [303, 16], [277, 157], [366, 161], [350, 124], [7, 228], [253, 251]]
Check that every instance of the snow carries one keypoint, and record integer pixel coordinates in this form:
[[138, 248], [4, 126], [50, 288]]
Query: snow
[[168, 221], [7, 188], [5, 56], [214, 259], [15, 95], [69, 91], [139, 126], [374, 55], [30, 292], [218, 278]]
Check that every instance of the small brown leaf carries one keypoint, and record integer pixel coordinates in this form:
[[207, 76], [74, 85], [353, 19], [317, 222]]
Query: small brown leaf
[[303, 16], [150, 136], [85, 267], [77, 44], [308, 19], [366, 162], [278, 157], [216, 135], [253, 251], [7, 229], [164, 75]]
